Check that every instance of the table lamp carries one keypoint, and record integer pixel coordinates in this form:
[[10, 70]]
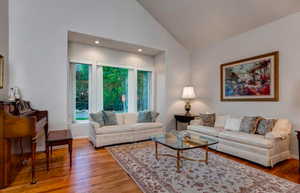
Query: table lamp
[[188, 94]]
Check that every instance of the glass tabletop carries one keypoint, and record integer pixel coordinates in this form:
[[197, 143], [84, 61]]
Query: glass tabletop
[[183, 140]]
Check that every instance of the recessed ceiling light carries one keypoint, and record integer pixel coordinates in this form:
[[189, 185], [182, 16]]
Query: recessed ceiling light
[[140, 50], [97, 42]]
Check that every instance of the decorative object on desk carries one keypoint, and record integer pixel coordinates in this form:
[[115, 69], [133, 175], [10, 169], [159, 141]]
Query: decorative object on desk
[[14, 94], [251, 79], [17, 93], [11, 95], [188, 94]]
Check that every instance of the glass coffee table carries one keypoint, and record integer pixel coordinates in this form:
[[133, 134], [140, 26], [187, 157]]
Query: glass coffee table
[[182, 141]]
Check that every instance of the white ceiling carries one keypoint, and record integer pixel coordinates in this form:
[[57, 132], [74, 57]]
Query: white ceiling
[[200, 23], [112, 44]]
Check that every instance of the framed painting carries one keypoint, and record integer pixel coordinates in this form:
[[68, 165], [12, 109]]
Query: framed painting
[[1, 71], [251, 79]]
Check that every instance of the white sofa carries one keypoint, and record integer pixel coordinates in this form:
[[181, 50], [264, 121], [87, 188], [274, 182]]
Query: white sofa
[[127, 130], [266, 150]]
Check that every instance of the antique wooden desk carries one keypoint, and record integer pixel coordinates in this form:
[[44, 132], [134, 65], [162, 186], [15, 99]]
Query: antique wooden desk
[[19, 123]]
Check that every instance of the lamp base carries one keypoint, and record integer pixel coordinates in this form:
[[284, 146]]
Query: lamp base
[[187, 108]]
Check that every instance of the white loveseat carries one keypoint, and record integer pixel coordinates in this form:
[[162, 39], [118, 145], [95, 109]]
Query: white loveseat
[[127, 130], [266, 150]]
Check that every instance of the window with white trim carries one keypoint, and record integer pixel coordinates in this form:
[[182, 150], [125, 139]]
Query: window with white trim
[[143, 90], [81, 91], [111, 88]]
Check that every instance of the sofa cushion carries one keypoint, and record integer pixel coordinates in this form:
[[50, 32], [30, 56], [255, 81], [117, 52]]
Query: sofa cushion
[[130, 118], [205, 130], [233, 124], [145, 117], [114, 129], [120, 118], [154, 115], [265, 126], [249, 124], [152, 125], [109, 118], [98, 118], [246, 138]]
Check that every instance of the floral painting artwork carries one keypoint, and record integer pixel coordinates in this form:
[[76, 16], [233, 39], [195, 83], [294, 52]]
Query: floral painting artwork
[[252, 79]]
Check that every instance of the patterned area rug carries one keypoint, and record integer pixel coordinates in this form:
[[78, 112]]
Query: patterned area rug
[[220, 175]]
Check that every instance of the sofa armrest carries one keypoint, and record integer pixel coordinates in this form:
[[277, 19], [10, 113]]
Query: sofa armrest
[[277, 135]]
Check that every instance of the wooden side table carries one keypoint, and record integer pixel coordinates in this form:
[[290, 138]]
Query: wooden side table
[[298, 136], [184, 119], [59, 137]]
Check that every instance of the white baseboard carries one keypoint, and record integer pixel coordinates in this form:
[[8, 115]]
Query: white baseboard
[[295, 156], [81, 137]]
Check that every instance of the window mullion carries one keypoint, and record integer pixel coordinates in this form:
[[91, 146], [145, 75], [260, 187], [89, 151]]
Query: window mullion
[[132, 90], [91, 88], [99, 88], [73, 92]]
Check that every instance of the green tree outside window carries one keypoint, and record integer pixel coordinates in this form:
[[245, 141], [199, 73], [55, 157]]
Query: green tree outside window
[[115, 89]]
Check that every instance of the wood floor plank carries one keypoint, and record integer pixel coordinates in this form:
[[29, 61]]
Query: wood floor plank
[[95, 171]]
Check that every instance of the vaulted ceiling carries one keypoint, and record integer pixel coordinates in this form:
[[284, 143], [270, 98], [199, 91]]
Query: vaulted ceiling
[[200, 23]]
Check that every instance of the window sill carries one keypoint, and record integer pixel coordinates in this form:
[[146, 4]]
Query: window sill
[[80, 122]]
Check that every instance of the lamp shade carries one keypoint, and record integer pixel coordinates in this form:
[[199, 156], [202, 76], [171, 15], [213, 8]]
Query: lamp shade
[[188, 93]]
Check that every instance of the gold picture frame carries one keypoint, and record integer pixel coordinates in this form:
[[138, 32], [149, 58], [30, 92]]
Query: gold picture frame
[[1, 72], [251, 79]]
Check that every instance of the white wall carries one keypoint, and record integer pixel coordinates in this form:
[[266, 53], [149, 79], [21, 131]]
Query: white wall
[[38, 42], [281, 35], [92, 54], [4, 41]]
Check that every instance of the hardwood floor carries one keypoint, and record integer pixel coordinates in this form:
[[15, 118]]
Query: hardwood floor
[[96, 171]]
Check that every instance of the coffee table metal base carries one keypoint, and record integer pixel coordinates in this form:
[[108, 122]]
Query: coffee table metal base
[[180, 158]]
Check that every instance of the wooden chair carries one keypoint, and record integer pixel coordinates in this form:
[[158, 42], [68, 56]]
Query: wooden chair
[[58, 137]]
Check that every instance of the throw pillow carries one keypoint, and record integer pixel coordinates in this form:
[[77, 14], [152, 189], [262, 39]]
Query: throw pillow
[[109, 118], [249, 124], [154, 115], [97, 117], [145, 117], [264, 126], [208, 119], [233, 124]]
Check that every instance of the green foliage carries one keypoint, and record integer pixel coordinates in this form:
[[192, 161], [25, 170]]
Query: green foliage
[[82, 86], [143, 89], [115, 84]]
